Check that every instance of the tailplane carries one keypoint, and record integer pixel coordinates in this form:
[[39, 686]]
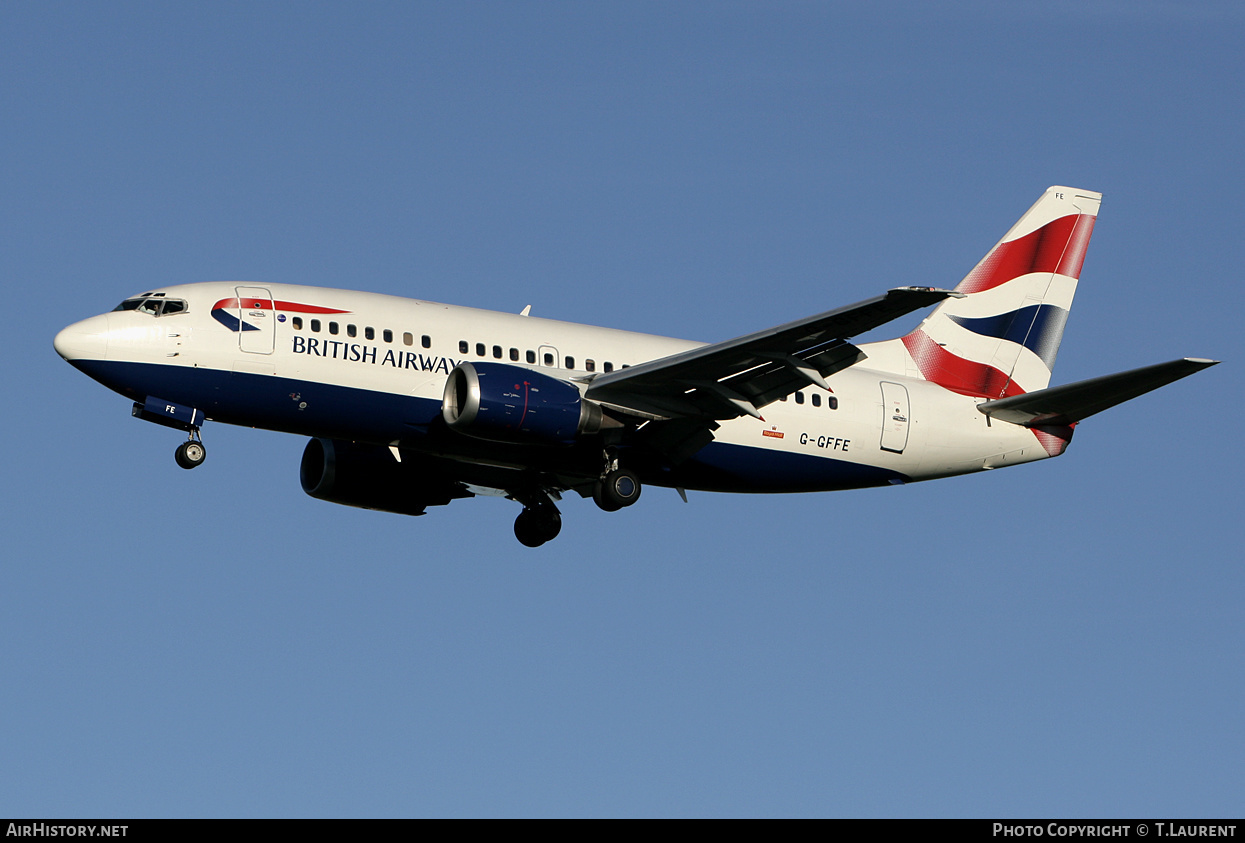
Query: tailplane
[[1071, 403], [1001, 338]]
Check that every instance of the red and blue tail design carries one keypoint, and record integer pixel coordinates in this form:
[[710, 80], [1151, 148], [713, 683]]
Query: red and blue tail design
[[1001, 338]]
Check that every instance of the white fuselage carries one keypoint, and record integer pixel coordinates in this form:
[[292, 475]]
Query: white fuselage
[[370, 367]]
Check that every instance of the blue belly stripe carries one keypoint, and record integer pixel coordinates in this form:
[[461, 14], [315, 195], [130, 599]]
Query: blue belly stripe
[[271, 402]]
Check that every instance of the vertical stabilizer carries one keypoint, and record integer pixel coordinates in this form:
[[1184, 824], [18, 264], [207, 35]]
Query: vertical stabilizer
[[1002, 337]]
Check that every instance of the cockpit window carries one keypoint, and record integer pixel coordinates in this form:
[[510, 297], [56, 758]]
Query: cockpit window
[[152, 306], [128, 304]]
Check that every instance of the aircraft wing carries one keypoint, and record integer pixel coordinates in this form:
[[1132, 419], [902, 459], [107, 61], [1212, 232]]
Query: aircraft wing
[[739, 376]]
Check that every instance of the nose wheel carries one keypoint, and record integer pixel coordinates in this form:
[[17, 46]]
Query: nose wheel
[[191, 453]]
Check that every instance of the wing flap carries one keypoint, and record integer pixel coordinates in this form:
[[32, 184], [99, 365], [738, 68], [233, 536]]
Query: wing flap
[[739, 376]]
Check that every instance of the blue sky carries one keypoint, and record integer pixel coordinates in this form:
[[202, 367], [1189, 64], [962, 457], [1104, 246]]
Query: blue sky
[[1056, 639]]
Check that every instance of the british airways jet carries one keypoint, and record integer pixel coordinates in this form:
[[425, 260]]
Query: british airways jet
[[410, 404]]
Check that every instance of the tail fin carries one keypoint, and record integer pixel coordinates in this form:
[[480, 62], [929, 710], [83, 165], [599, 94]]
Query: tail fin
[[1002, 337]]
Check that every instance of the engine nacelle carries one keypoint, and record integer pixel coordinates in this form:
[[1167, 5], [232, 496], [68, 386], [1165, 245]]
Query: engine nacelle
[[368, 476], [512, 404]]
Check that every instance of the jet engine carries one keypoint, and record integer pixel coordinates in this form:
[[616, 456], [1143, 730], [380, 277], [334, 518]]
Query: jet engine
[[507, 403], [368, 476]]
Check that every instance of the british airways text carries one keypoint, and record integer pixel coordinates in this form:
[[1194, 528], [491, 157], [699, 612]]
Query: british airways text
[[359, 353]]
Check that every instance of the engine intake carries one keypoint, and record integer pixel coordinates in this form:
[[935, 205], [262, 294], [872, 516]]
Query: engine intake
[[512, 404]]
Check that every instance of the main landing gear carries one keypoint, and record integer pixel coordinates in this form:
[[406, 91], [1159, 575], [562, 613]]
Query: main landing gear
[[538, 523], [191, 453], [617, 487]]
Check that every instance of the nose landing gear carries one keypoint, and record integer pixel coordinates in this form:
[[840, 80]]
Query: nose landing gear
[[191, 453]]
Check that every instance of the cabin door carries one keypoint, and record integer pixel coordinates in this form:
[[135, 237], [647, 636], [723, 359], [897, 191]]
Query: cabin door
[[894, 417], [257, 320]]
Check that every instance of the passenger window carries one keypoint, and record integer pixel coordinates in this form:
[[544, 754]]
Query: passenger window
[[497, 351], [832, 402], [570, 362], [315, 325], [799, 398], [816, 399], [549, 361], [297, 322], [408, 338], [514, 354], [352, 331], [387, 335], [531, 356], [425, 341], [480, 352], [463, 346], [609, 367], [333, 328], [369, 333], [590, 365]]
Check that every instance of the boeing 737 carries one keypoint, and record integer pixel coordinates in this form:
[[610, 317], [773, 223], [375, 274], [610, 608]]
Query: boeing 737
[[411, 404]]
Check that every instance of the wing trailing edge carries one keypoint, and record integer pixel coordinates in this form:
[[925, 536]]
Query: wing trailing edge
[[740, 376]]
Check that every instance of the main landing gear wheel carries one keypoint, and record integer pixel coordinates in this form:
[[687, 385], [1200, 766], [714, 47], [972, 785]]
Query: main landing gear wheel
[[190, 454], [534, 527], [618, 488]]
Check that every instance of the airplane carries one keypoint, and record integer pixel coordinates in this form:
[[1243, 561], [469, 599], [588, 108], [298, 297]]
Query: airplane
[[411, 404]]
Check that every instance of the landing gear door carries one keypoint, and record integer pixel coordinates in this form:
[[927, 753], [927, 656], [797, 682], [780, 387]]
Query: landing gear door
[[894, 417], [256, 320]]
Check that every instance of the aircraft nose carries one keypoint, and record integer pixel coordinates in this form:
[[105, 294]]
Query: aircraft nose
[[85, 340]]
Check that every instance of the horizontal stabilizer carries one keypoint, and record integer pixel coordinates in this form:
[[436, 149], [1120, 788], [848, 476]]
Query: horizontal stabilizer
[[1070, 403]]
